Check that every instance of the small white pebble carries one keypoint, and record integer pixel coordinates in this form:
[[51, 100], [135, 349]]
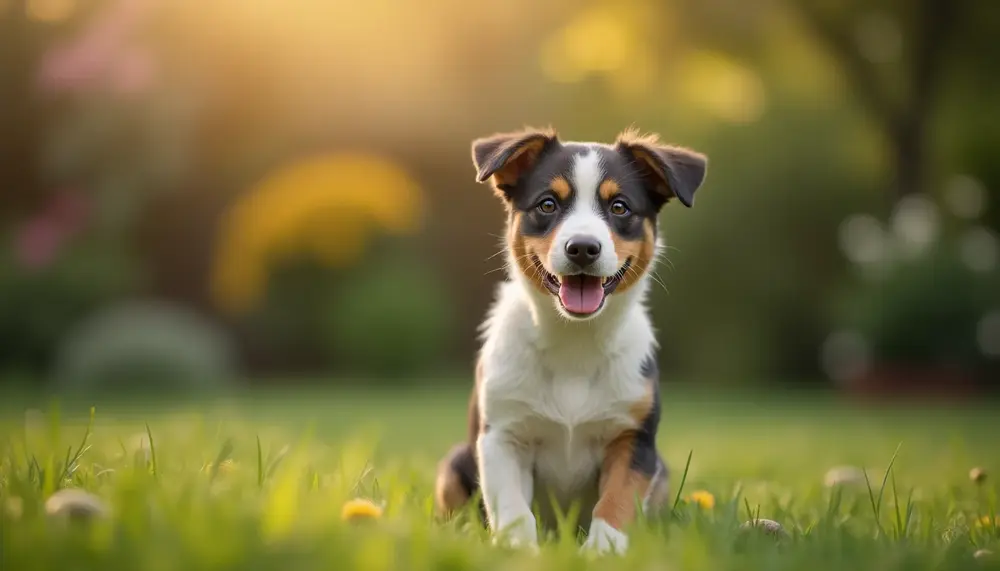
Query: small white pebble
[[843, 475], [982, 554], [75, 504], [766, 525], [977, 475]]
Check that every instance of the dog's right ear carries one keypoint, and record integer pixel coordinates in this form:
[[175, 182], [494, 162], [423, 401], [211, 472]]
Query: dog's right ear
[[506, 157]]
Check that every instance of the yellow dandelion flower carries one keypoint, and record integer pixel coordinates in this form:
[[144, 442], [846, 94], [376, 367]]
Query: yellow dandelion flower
[[985, 522], [360, 509], [704, 499]]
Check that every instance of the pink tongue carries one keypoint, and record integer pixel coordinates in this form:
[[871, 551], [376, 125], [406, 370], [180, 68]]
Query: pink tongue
[[581, 294]]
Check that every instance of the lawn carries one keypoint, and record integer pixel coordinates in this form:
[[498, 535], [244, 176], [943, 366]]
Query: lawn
[[259, 482]]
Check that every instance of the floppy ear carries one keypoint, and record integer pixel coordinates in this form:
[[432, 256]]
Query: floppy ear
[[505, 157], [672, 171]]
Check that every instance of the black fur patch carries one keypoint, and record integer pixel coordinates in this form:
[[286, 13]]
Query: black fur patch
[[463, 463], [645, 458]]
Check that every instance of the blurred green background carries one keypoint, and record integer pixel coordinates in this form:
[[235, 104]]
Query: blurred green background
[[195, 195]]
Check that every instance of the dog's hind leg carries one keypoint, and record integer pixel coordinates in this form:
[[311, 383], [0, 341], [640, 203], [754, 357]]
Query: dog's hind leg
[[457, 480]]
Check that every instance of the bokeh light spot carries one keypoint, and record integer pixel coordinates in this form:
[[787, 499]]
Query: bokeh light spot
[[980, 249], [915, 223], [988, 334], [862, 239], [966, 197], [722, 87]]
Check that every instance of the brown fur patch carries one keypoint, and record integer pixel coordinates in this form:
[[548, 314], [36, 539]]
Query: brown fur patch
[[641, 252], [523, 159], [642, 147], [608, 189], [449, 495], [561, 187], [526, 248], [621, 487]]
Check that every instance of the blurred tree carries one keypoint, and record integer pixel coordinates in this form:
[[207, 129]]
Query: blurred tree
[[894, 55], [20, 118]]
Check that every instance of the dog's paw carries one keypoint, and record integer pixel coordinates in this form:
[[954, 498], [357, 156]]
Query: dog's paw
[[603, 539], [519, 534]]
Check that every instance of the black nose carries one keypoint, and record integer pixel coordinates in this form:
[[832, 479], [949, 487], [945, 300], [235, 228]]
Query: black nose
[[583, 250]]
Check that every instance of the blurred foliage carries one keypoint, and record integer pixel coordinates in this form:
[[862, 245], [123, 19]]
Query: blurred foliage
[[252, 160], [393, 318], [925, 311], [38, 305], [144, 346], [924, 287]]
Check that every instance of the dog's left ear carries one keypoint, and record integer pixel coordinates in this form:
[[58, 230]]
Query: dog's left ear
[[506, 157], [671, 171]]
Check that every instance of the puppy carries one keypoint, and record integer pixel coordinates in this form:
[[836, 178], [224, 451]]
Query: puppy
[[565, 406]]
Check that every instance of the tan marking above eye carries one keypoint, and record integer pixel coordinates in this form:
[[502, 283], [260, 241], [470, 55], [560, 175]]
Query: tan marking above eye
[[608, 190], [560, 186]]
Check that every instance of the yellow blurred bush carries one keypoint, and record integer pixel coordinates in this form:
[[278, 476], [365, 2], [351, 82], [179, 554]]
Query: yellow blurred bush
[[326, 207]]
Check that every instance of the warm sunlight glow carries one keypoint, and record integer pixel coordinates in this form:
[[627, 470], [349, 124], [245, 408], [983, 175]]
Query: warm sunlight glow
[[598, 40], [324, 207], [722, 87], [51, 11]]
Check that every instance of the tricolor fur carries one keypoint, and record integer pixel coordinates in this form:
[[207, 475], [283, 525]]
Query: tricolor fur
[[566, 403]]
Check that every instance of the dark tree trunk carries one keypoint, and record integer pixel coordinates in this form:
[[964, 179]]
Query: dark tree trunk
[[904, 121], [20, 181], [907, 139]]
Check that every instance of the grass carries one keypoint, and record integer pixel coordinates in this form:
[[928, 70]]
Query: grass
[[259, 483]]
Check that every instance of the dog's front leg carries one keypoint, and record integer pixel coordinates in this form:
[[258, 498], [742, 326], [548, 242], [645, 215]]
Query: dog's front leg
[[507, 487], [627, 477]]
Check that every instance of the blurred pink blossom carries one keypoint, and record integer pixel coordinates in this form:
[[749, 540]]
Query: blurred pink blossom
[[38, 241], [70, 209], [100, 56], [133, 73]]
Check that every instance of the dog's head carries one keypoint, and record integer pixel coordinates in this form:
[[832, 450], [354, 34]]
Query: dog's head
[[583, 216]]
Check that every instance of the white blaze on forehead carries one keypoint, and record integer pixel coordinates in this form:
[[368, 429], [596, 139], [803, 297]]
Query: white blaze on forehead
[[588, 172], [584, 216]]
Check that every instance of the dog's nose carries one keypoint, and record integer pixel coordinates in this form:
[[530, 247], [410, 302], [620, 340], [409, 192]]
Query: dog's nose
[[583, 250]]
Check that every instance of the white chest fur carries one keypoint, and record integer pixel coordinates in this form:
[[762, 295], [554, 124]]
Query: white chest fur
[[562, 390]]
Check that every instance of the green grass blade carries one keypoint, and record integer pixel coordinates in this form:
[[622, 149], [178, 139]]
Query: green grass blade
[[900, 529], [680, 488], [885, 477], [152, 452], [260, 464], [871, 496]]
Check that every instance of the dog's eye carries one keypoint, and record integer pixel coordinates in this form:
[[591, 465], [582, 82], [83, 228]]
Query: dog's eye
[[547, 206], [619, 208]]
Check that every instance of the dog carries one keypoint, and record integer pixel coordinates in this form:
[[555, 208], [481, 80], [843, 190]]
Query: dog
[[565, 407]]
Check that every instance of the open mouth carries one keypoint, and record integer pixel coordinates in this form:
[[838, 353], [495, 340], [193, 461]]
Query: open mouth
[[582, 294]]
